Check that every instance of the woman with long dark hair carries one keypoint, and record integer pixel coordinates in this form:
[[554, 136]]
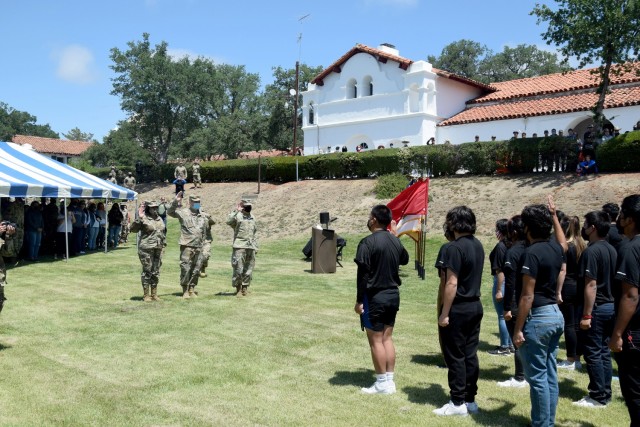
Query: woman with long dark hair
[[567, 292]]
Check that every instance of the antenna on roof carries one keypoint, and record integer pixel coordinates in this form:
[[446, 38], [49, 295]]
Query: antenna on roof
[[299, 41]]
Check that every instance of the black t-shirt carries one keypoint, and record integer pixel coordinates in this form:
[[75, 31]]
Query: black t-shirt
[[571, 259], [615, 239], [512, 277], [598, 262], [465, 257], [439, 265], [379, 257], [543, 261], [628, 270], [497, 257]]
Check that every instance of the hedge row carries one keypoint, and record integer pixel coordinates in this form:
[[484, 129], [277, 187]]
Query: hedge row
[[621, 154]]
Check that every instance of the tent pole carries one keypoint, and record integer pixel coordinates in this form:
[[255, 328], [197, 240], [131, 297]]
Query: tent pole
[[66, 232], [106, 227]]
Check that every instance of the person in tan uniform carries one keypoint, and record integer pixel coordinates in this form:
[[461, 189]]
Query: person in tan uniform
[[150, 227], [205, 254], [245, 246], [130, 181], [192, 234], [7, 230], [195, 172]]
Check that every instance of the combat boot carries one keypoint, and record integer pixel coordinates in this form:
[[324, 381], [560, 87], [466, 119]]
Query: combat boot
[[203, 273], [237, 289], [146, 297], [192, 291], [154, 293], [185, 292], [245, 290]]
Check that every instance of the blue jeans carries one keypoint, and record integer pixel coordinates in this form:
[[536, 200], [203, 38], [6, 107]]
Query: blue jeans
[[505, 339], [596, 352], [542, 332], [34, 238], [92, 236], [114, 235]]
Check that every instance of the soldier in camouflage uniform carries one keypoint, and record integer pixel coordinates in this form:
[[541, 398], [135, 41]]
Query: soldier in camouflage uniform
[[113, 175], [195, 171], [180, 171], [6, 245], [14, 213], [245, 246], [192, 233], [205, 254], [150, 247], [130, 181]]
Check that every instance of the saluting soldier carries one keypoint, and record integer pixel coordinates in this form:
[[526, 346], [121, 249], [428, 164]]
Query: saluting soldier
[[245, 245], [192, 234], [205, 254], [195, 170], [150, 247]]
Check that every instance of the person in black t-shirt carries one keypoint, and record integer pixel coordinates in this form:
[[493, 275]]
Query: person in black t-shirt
[[567, 293], [625, 339], [513, 281], [442, 275], [496, 259], [461, 312], [540, 324], [379, 257], [596, 274], [614, 238]]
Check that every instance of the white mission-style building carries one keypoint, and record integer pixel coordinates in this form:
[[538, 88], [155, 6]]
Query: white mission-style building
[[373, 97]]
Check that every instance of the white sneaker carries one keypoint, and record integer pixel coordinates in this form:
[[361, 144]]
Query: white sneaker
[[513, 383], [565, 364], [451, 409], [391, 386], [472, 407], [587, 402], [379, 388]]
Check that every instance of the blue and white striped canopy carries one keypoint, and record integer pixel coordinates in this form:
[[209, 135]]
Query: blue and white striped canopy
[[25, 173]]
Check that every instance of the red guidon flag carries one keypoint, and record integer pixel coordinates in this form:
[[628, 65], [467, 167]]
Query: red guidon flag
[[410, 207]]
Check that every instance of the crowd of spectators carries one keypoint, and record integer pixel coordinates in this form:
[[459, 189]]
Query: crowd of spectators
[[42, 230]]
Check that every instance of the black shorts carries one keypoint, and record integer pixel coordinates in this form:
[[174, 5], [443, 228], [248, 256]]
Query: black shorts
[[380, 309]]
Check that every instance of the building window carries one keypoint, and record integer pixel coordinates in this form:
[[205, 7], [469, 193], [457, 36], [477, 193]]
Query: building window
[[367, 85], [311, 113], [352, 89]]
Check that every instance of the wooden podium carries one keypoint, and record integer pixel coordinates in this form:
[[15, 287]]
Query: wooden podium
[[324, 250]]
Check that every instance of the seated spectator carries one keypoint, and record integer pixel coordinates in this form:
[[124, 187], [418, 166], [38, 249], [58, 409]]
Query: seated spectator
[[606, 136], [587, 166], [477, 138]]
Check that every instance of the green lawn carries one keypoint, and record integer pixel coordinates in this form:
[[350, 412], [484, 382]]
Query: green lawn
[[79, 347]]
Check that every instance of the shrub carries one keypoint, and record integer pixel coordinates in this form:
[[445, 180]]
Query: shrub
[[620, 154], [389, 186]]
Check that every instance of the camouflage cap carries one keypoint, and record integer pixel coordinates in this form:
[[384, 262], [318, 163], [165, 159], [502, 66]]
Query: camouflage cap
[[151, 204], [194, 198]]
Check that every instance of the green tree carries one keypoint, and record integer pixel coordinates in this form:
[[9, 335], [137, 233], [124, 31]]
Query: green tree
[[605, 32], [121, 147], [158, 92], [462, 57], [14, 122], [279, 104], [76, 134], [520, 62]]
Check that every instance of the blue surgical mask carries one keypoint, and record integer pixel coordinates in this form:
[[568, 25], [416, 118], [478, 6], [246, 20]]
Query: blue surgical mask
[[196, 206]]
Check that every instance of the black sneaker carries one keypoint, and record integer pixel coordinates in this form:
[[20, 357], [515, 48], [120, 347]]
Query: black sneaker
[[500, 351]]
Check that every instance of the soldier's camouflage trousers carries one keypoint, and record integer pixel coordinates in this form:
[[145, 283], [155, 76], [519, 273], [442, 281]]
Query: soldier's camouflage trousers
[[189, 269], [242, 261], [151, 260]]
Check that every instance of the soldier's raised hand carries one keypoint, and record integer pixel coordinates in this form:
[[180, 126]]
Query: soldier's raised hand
[[141, 210]]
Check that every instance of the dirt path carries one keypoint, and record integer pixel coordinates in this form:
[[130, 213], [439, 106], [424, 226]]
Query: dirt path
[[289, 210]]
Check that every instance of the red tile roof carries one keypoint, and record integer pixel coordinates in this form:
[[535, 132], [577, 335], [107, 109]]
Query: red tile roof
[[53, 146], [555, 104], [556, 83], [383, 57]]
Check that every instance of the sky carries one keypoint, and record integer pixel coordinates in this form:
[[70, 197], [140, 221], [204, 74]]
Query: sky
[[55, 54]]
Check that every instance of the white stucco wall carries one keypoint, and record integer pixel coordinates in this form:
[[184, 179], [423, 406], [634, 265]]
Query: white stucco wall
[[406, 105]]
